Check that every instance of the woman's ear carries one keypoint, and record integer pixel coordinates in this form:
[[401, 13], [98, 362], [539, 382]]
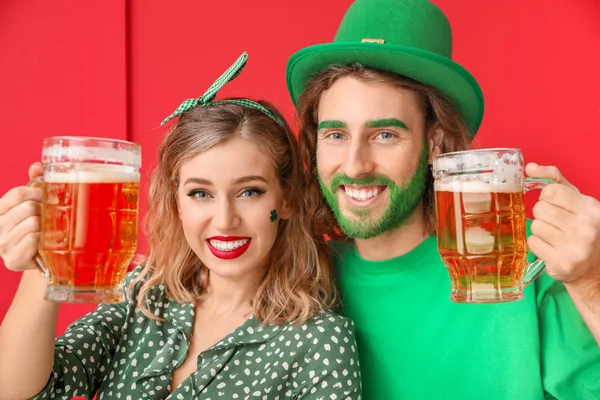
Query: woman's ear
[[285, 212], [435, 142], [176, 194]]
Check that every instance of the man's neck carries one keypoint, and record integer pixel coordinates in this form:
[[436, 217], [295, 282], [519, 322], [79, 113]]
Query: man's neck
[[396, 242]]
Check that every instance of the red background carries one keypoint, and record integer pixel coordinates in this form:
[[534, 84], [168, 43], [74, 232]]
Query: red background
[[116, 69]]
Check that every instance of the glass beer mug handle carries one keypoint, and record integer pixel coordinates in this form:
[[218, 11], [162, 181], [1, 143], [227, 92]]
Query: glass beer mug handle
[[38, 259], [535, 268]]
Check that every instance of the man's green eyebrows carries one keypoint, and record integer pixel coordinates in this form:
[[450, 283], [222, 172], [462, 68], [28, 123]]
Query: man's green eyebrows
[[385, 122], [331, 125], [374, 123]]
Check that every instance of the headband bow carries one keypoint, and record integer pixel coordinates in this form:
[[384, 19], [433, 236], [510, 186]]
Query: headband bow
[[206, 100]]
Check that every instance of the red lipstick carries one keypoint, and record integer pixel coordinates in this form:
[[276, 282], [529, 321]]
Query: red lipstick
[[228, 254]]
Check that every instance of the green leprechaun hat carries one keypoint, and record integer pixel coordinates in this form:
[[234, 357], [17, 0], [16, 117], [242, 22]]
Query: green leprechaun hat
[[409, 37]]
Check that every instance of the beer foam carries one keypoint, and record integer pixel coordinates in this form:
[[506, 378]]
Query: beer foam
[[478, 186], [478, 160], [96, 174], [109, 155]]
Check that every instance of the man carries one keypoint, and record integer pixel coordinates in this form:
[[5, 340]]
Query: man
[[375, 106]]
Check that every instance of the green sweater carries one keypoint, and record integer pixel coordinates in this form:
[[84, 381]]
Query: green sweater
[[415, 344], [119, 353]]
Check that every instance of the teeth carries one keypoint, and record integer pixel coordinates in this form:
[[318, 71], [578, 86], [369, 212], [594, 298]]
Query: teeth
[[228, 246], [361, 194]]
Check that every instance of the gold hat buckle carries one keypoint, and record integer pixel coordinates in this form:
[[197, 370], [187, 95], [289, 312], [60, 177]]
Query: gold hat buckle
[[373, 40]]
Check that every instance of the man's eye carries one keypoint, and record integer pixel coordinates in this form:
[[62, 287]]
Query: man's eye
[[336, 135], [385, 135]]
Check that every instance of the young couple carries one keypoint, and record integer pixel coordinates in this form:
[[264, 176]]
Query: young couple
[[241, 297]]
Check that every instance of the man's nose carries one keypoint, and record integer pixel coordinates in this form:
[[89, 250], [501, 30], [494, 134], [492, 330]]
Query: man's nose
[[359, 160]]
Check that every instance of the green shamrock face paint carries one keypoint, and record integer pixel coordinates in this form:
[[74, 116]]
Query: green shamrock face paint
[[403, 200], [273, 215]]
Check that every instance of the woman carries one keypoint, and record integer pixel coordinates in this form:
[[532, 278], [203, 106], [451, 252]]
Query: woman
[[234, 299]]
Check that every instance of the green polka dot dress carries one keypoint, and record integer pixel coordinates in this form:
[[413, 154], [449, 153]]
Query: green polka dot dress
[[119, 353]]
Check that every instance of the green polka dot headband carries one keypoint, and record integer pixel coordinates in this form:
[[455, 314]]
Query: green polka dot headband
[[207, 99]]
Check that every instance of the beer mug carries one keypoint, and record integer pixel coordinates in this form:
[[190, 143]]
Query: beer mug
[[89, 218], [480, 224]]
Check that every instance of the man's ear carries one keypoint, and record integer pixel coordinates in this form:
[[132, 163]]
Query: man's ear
[[436, 137]]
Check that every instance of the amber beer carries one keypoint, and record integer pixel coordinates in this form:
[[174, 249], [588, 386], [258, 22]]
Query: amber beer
[[482, 241], [89, 228], [480, 223], [89, 217]]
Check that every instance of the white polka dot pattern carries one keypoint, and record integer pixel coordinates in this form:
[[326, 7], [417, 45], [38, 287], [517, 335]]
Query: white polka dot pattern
[[118, 353]]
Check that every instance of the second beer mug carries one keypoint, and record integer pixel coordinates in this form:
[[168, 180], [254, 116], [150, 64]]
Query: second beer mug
[[480, 217], [89, 217]]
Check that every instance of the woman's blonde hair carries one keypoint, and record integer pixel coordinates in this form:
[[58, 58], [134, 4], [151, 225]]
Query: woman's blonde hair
[[298, 281], [439, 112]]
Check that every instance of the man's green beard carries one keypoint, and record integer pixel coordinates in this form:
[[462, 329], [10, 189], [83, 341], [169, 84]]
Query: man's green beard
[[402, 201]]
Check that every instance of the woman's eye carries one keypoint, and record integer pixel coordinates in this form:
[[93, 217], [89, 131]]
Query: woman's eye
[[251, 192], [198, 194], [336, 135]]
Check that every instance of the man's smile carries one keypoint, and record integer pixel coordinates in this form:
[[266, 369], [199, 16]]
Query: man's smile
[[362, 196]]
